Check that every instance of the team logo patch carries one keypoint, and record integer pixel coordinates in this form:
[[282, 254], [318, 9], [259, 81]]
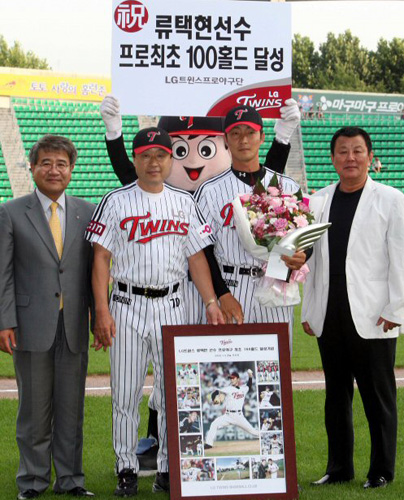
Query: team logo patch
[[204, 231], [96, 227], [122, 300], [239, 113], [152, 135]]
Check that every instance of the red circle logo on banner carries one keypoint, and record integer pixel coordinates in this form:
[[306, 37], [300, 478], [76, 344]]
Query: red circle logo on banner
[[131, 16]]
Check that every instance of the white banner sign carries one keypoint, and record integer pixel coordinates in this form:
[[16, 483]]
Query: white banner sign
[[200, 57]]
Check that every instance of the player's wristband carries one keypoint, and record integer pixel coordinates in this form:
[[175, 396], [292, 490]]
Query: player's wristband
[[209, 302]]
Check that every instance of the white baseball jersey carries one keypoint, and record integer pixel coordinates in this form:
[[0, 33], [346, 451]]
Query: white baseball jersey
[[275, 447], [265, 401], [273, 470], [235, 396], [182, 373], [150, 237], [215, 198]]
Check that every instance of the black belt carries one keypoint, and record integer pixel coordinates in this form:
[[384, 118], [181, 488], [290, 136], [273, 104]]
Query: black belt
[[149, 293], [255, 272]]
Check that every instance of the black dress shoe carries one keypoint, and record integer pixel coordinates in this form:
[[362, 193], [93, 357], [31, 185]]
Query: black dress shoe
[[78, 491], [327, 479], [377, 482], [22, 495]]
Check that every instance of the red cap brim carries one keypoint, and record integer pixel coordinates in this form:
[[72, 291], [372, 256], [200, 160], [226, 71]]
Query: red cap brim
[[254, 126], [144, 148]]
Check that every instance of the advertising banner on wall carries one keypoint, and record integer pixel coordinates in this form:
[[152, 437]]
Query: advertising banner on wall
[[45, 85]]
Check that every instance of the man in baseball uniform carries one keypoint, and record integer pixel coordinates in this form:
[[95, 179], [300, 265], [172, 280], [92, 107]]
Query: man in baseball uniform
[[233, 402], [276, 445], [273, 469], [191, 375], [244, 136], [182, 372], [266, 398], [153, 233]]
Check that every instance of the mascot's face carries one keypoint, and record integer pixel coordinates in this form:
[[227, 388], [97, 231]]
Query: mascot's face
[[197, 158]]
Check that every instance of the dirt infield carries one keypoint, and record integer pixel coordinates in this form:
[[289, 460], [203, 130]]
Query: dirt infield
[[99, 385], [234, 448]]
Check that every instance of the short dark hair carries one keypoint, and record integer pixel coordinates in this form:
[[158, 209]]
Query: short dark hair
[[53, 143], [351, 132]]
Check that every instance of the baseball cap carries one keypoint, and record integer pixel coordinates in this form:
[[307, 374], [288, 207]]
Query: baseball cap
[[192, 125], [243, 115], [152, 137], [234, 375]]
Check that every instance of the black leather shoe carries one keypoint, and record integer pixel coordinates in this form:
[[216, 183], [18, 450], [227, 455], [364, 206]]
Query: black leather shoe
[[161, 483], [22, 495], [127, 483], [377, 482], [78, 491], [327, 479]]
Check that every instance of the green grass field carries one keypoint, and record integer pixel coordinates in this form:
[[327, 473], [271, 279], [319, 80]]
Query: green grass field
[[310, 445]]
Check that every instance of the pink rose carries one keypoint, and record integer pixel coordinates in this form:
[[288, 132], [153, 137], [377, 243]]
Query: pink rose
[[280, 224], [300, 221], [275, 202], [273, 191], [280, 210], [303, 207], [244, 198]]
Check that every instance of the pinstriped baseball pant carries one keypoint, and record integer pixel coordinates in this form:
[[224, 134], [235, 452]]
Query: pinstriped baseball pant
[[139, 338]]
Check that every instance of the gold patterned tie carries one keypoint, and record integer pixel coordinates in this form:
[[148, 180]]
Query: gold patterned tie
[[56, 230]]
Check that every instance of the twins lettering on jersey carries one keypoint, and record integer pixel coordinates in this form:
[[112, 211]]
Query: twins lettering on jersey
[[237, 395], [151, 229]]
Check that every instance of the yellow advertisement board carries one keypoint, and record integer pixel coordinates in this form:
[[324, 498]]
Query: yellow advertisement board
[[45, 85]]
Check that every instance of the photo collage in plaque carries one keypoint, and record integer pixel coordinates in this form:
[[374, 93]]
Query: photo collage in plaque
[[230, 421]]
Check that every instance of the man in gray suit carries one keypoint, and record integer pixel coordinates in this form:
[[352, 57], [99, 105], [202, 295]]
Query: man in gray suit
[[44, 319]]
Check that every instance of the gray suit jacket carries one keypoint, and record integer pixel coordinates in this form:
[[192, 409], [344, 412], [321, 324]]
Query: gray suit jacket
[[32, 277]]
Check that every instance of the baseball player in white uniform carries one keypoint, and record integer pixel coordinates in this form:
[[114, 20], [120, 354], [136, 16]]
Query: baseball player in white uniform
[[191, 375], [199, 449], [275, 445], [273, 469], [244, 135], [182, 373], [152, 232], [266, 399], [233, 403]]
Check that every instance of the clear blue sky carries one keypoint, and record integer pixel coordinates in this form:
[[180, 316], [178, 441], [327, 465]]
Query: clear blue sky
[[74, 35]]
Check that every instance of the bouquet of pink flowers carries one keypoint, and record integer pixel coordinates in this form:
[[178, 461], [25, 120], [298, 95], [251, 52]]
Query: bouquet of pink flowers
[[262, 219], [272, 215]]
